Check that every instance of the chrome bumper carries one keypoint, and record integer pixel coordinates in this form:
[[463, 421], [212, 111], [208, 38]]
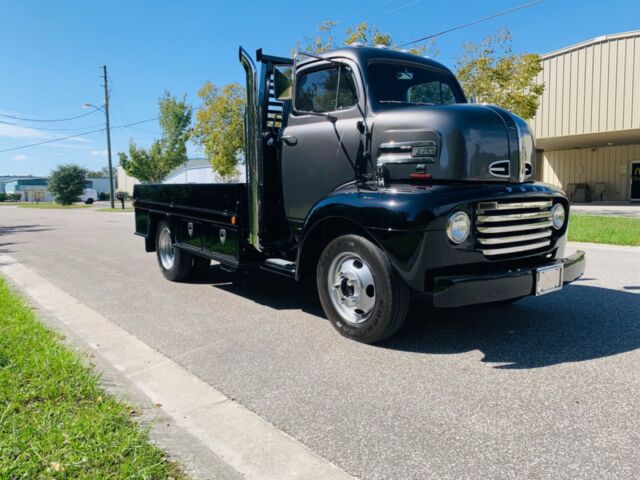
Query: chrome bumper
[[461, 290]]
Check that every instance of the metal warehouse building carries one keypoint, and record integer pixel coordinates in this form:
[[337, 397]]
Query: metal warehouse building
[[588, 123]]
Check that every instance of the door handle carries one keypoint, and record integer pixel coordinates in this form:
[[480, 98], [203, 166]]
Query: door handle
[[290, 140]]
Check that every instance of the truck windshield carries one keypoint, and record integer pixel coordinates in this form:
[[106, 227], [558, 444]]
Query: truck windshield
[[411, 84]]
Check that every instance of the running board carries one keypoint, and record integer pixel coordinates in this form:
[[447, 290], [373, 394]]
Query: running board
[[280, 265]]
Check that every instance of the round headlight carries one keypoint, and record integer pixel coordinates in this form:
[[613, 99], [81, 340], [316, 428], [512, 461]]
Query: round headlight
[[458, 227], [558, 216]]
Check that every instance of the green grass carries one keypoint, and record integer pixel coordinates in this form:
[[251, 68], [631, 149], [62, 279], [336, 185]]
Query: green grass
[[12, 204], [115, 210], [56, 422], [612, 230], [53, 206]]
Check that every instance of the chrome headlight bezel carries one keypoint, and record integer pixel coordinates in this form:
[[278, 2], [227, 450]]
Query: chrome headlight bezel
[[558, 216], [458, 227]]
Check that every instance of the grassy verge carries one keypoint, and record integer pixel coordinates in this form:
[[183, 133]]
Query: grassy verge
[[115, 210], [56, 422], [612, 230], [53, 206]]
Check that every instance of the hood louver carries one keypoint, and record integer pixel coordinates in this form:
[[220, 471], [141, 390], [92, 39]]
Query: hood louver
[[500, 169]]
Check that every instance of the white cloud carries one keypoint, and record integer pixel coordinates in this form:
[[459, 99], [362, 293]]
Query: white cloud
[[20, 158], [99, 153], [15, 131]]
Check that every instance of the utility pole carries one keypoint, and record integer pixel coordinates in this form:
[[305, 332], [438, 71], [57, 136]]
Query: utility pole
[[106, 114]]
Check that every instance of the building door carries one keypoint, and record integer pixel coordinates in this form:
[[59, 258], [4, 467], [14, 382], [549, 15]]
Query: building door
[[635, 181]]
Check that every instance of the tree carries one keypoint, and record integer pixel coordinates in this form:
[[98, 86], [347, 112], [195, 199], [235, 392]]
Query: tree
[[103, 173], [220, 126], [325, 39], [67, 183], [492, 73], [166, 153]]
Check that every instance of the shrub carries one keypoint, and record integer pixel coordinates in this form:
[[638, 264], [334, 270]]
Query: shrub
[[67, 183]]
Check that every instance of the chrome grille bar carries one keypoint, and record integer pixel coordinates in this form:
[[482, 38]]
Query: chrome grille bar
[[515, 206], [513, 217], [515, 228], [514, 239], [484, 206], [519, 248]]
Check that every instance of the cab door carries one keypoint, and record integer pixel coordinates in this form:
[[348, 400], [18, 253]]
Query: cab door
[[321, 143]]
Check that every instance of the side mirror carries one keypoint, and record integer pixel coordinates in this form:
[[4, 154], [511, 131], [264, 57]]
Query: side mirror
[[283, 82]]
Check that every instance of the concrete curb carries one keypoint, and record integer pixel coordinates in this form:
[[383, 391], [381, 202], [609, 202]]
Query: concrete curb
[[243, 440], [603, 246]]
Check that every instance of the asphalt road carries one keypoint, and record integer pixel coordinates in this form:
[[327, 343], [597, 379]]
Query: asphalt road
[[547, 388]]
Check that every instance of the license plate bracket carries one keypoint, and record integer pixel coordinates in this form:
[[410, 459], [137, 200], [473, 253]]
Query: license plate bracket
[[549, 279]]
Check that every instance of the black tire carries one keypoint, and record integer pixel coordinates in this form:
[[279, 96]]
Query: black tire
[[392, 294], [89, 201], [200, 267], [182, 264]]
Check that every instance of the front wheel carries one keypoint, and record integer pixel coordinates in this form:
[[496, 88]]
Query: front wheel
[[361, 293], [174, 263]]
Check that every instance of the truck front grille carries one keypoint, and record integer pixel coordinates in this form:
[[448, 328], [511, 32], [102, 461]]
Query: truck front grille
[[511, 228]]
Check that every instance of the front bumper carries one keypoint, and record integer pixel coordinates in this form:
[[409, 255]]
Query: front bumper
[[460, 290]]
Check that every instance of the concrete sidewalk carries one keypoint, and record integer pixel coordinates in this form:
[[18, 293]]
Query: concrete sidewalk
[[607, 209], [212, 436]]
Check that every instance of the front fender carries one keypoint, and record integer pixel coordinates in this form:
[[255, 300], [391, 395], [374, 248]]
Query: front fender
[[395, 223], [408, 221]]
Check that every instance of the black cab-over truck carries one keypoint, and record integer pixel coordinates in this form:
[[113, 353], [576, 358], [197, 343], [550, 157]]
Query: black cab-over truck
[[368, 169]]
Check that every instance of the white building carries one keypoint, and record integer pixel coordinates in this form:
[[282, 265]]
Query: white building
[[198, 170]]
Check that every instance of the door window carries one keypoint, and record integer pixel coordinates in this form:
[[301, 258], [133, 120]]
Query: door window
[[326, 90]]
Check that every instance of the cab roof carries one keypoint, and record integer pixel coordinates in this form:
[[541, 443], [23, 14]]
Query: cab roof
[[363, 55]]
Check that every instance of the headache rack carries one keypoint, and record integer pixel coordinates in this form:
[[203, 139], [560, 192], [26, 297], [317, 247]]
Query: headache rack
[[507, 229]]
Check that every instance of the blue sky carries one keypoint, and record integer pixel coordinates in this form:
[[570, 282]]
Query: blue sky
[[51, 52]]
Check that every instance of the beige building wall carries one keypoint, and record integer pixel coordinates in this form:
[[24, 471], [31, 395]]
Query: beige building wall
[[608, 165], [590, 88], [588, 120], [125, 182]]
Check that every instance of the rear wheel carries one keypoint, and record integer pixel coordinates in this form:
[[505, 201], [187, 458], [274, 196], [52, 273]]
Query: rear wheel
[[175, 264], [361, 293]]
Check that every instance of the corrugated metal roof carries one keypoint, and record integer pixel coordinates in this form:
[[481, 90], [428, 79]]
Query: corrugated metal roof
[[593, 41]]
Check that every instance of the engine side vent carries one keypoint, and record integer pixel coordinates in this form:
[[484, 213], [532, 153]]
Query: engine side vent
[[501, 169], [513, 228]]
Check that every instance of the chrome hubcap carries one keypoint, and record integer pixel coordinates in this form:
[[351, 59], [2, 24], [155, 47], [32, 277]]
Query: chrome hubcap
[[165, 248], [351, 287]]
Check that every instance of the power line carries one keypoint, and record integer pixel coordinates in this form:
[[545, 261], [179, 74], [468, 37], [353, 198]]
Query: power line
[[479, 20], [384, 14], [77, 135], [51, 141], [14, 117], [364, 11], [393, 10], [81, 134], [49, 129], [48, 91]]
